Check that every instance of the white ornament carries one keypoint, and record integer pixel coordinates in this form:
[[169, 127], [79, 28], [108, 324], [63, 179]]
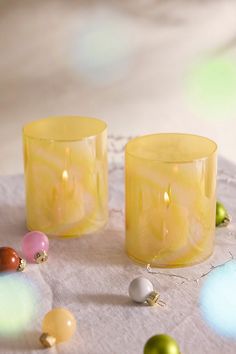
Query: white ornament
[[140, 288]]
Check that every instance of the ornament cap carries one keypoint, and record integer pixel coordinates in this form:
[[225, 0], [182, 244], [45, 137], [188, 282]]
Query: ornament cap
[[226, 221], [41, 257], [22, 265], [47, 341], [154, 299]]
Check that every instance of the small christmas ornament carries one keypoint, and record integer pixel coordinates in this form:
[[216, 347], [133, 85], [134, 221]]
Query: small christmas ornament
[[222, 218], [10, 260], [58, 326], [161, 344], [35, 247], [141, 290]]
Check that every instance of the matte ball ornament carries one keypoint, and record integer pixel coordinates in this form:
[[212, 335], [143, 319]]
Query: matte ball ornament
[[10, 260], [141, 290], [222, 217], [35, 246], [58, 326], [161, 344]]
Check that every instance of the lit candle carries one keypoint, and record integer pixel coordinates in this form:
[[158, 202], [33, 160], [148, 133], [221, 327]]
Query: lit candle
[[65, 180], [67, 201], [166, 199]]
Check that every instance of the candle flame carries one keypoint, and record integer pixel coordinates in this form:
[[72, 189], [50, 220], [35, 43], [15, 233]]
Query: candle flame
[[65, 175], [167, 199]]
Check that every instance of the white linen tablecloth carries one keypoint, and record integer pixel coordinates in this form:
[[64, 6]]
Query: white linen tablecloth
[[90, 276]]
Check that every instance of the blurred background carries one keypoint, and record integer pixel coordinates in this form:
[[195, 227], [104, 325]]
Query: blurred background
[[141, 65]]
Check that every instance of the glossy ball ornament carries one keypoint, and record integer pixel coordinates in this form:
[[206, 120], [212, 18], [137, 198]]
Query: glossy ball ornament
[[141, 290], [58, 326], [161, 344], [35, 246], [10, 260], [222, 217]]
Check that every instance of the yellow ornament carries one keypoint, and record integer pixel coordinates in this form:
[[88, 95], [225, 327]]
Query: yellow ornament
[[58, 326]]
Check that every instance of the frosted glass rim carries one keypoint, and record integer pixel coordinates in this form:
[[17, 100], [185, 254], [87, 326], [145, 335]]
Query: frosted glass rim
[[33, 125], [136, 140]]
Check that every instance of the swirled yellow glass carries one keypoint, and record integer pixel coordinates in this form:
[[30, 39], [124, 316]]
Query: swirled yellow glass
[[65, 161], [170, 199]]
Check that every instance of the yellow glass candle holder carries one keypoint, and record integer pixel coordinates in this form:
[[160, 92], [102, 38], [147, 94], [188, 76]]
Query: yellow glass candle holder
[[170, 199], [65, 160]]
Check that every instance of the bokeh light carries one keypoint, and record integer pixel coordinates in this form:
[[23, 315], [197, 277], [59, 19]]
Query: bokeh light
[[218, 300], [211, 87], [101, 52], [17, 299]]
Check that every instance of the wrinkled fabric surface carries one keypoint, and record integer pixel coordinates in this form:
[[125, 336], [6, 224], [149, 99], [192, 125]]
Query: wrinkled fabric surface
[[90, 276]]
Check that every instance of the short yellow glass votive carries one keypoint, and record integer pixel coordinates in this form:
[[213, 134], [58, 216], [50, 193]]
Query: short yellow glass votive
[[66, 175], [170, 199]]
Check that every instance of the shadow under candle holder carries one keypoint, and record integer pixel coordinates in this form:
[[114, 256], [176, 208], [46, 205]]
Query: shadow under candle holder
[[98, 249]]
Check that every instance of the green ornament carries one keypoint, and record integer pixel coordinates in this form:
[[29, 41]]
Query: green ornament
[[161, 344], [222, 217]]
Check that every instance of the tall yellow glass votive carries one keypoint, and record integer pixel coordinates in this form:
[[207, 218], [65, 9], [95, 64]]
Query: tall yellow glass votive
[[170, 199], [65, 160]]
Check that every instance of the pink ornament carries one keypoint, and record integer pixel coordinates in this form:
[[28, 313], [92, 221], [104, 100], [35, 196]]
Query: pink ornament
[[35, 246]]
